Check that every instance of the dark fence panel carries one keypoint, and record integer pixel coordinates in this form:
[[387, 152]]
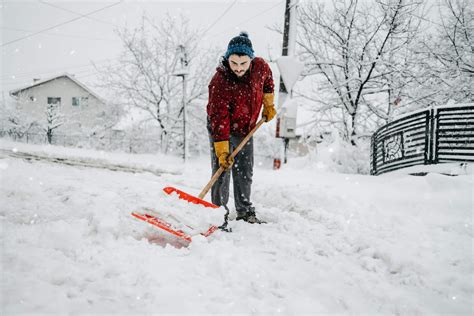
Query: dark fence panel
[[443, 134], [454, 134]]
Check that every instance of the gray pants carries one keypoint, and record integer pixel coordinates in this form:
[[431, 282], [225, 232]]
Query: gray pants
[[242, 172]]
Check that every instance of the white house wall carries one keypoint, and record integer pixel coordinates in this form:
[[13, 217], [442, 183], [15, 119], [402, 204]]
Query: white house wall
[[34, 100]]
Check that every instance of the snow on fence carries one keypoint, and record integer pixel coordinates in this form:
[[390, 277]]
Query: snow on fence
[[437, 135]]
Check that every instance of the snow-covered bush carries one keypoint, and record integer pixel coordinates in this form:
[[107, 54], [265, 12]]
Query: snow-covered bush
[[341, 156], [333, 154]]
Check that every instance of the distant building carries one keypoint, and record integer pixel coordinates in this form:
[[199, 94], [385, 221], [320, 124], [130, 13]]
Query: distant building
[[77, 104]]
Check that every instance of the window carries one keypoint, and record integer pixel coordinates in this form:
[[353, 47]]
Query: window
[[76, 101], [54, 100]]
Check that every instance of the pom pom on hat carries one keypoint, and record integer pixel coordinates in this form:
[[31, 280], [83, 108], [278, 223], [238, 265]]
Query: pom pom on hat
[[240, 44], [244, 33]]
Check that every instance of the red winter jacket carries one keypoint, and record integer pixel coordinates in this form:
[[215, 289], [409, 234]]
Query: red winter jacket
[[235, 103]]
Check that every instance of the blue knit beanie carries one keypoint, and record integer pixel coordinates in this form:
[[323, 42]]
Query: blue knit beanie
[[240, 45]]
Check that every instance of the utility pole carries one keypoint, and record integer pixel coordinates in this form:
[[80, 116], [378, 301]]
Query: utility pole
[[185, 143], [283, 93], [289, 39], [183, 72]]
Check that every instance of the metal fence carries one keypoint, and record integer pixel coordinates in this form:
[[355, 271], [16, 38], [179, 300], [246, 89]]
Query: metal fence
[[438, 135]]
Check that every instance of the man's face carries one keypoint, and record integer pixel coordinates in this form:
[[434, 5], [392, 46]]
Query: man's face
[[239, 64]]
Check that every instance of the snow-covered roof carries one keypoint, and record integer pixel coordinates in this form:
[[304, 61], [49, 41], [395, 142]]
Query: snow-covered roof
[[67, 75]]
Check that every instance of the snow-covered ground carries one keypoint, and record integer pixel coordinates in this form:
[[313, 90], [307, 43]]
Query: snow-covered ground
[[334, 243]]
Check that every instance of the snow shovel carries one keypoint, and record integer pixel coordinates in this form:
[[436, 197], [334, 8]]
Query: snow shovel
[[154, 220]]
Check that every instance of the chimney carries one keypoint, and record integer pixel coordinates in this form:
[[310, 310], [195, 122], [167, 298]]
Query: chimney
[[36, 79]]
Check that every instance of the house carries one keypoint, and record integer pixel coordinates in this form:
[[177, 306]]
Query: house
[[78, 106]]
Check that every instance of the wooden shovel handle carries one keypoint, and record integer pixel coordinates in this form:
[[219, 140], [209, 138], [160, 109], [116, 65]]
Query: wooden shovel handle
[[234, 153]]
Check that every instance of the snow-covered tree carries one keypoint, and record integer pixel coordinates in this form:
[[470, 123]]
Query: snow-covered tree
[[145, 76], [54, 119], [449, 54], [354, 50], [17, 124]]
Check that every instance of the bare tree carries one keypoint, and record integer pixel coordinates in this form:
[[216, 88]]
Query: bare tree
[[144, 75], [450, 52], [351, 49], [54, 119]]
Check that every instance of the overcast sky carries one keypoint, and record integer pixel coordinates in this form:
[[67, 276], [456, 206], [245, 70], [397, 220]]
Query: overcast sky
[[71, 46]]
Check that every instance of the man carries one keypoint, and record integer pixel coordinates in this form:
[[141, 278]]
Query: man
[[241, 84]]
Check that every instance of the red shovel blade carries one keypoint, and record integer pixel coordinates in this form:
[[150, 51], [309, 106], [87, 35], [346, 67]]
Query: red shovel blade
[[168, 227], [165, 225], [188, 197]]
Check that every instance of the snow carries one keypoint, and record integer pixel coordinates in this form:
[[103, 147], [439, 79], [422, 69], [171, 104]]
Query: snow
[[334, 243], [290, 70]]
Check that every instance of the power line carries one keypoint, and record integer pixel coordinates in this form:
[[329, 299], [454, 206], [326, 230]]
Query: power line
[[251, 18], [96, 72], [60, 34], [220, 17], [82, 66], [76, 13], [60, 24], [80, 74], [52, 70]]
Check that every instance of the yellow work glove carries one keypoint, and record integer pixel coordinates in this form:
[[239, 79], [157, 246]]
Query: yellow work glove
[[222, 153], [269, 111]]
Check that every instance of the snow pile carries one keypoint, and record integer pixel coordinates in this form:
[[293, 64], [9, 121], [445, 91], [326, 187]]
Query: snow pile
[[156, 163], [336, 155], [340, 156], [452, 169], [334, 244]]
